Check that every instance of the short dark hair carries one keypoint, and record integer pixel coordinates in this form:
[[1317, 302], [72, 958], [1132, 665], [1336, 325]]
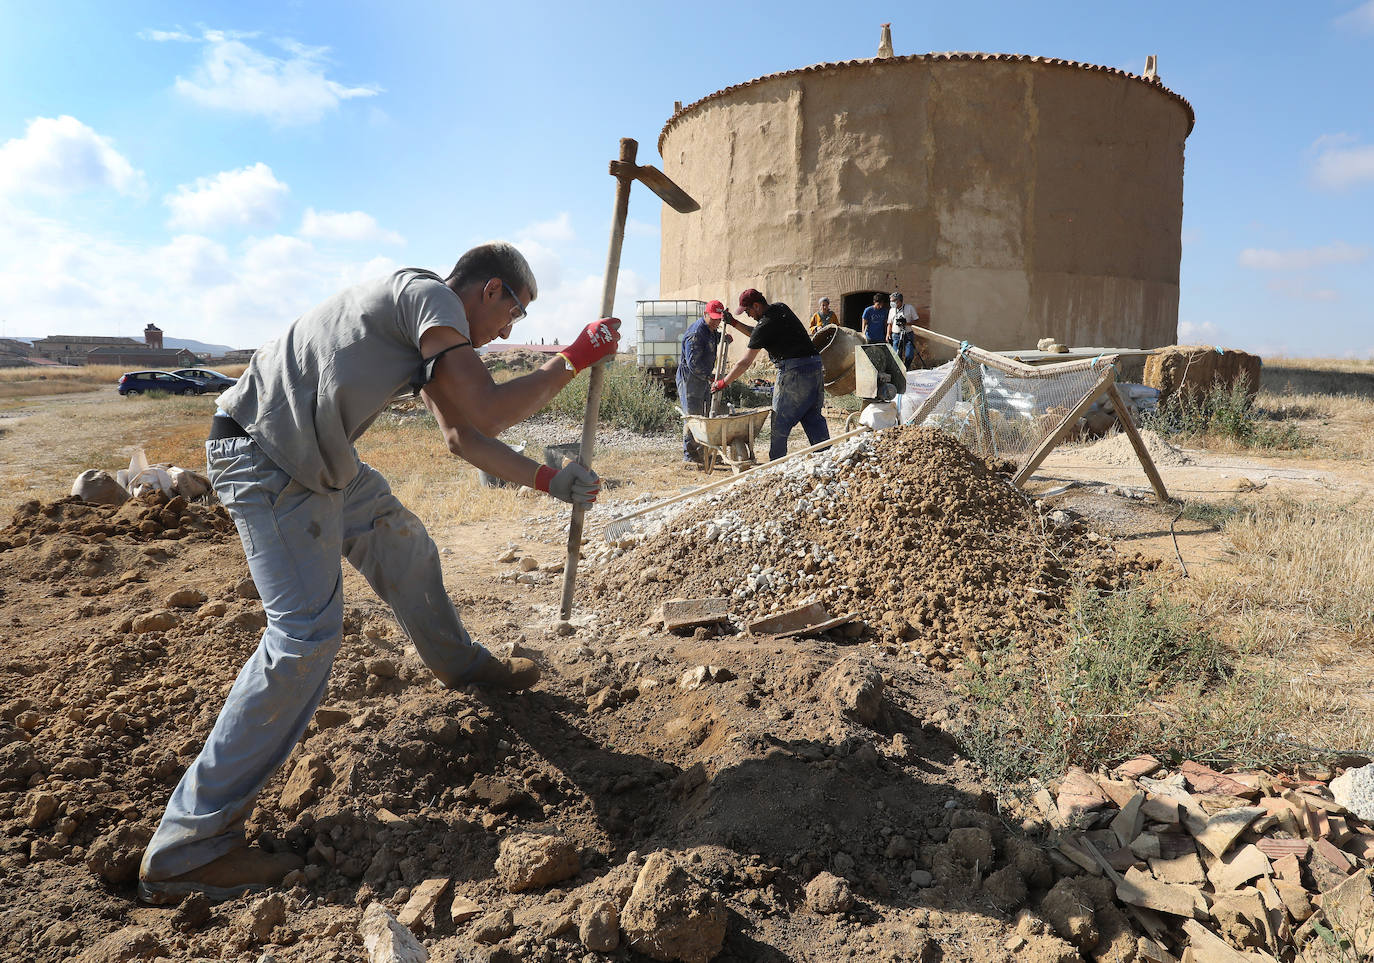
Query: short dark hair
[[494, 259], [877, 298]]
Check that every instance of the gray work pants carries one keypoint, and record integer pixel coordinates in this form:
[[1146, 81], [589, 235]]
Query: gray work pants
[[294, 538]]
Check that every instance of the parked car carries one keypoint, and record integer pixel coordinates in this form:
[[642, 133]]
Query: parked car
[[137, 382], [208, 378]]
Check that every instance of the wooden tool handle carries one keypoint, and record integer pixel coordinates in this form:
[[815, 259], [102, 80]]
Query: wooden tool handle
[[624, 178]]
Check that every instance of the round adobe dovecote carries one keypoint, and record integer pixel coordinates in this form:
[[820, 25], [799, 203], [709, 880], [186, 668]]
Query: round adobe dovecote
[[1009, 197]]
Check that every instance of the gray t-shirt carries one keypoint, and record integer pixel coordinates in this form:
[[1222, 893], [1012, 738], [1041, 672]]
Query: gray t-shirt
[[307, 396]]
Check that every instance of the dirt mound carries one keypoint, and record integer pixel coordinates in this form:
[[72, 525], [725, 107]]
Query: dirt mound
[[149, 517], [516, 360], [921, 540], [636, 798], [1117, 450]]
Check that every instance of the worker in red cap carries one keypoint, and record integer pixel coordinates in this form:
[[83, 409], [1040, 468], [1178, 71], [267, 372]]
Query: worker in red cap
[[800, 389], [695, 369]]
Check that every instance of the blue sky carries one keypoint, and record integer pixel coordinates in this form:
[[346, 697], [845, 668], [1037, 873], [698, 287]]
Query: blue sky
[[218, 168]]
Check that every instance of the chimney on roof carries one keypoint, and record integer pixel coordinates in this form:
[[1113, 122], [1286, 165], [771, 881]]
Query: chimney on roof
[[152, 336], [885, 42], [1151, 67]]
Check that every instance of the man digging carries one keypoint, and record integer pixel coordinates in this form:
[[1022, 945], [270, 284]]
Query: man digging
[[800, 390], [281, 457]]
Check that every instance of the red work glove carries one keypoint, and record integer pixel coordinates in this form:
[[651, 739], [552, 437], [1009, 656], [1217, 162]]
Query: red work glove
[[595, 342], [573, 483], [717, 385]]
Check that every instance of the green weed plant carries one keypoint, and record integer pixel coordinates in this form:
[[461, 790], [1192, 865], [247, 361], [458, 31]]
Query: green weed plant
[[629, 399], [1136, 672], [1228, 412]]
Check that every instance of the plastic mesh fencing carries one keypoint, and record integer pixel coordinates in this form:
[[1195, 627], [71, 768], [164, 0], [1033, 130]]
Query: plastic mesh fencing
[[995, 413]]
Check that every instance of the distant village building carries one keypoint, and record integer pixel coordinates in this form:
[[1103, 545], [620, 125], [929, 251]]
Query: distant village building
[[128, 352], [238, 356], [138, 356], [14, 353], [73, 348]]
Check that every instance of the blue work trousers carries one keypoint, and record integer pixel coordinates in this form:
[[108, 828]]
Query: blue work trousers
[[694, 396], [797, 398], [294, 538]]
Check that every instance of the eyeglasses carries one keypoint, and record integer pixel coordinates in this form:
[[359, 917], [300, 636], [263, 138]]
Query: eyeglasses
[[514, 297]]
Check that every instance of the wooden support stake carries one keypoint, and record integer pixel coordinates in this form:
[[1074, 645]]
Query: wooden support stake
[[1123, 415], [1065, 426], [974, 377]]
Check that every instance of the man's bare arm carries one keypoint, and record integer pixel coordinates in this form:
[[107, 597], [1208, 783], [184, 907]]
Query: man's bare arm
[[742, 365], [464, 390], [470, 444], [747, 329]]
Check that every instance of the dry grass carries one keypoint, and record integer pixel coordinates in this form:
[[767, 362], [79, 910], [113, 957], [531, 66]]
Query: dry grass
[[431, 482], [1332, 399], [1297, 600], [41, 453], [16, 383], [1292, 604]]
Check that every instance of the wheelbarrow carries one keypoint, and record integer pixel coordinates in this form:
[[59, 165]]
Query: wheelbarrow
[[729, 438]]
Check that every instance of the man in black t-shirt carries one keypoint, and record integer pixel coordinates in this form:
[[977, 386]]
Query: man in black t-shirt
[[800, 389]]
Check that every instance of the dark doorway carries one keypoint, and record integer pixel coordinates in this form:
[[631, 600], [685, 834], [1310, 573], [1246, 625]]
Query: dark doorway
[[852, 309]]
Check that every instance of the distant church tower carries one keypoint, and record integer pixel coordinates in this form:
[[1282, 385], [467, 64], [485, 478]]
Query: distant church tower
[[885, 43]]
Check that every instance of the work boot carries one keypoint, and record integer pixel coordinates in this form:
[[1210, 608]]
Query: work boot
[[246, 869], [511, 675]]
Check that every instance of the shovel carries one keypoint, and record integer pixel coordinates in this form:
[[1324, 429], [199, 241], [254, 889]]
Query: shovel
[[718, 397], [626, 172]]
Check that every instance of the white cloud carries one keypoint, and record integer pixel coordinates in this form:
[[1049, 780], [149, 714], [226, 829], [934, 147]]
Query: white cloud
[[1204, 332], [61, 155], [249, 197], [236, 77], [346, 226], [545, 262], [1302, 259], [166, 36], [1360, 18], [1300, 291], [54, 277], [634, 228], [559, 229], [1341, 162], [199, 260]]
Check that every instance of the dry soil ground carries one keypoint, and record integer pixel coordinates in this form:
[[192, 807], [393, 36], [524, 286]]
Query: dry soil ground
[[785, 760]]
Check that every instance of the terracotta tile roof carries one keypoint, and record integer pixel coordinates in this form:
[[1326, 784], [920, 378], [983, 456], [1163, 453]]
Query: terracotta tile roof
[[931, 58]]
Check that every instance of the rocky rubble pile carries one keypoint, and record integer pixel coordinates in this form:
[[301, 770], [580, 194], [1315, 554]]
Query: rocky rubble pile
[[1212, 866], [145, 518], [926, 544]]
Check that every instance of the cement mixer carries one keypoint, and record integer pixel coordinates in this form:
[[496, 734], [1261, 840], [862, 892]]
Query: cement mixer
[[873, 372]]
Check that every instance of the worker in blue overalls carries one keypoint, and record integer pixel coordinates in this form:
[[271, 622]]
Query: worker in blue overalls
[[696, 370]]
